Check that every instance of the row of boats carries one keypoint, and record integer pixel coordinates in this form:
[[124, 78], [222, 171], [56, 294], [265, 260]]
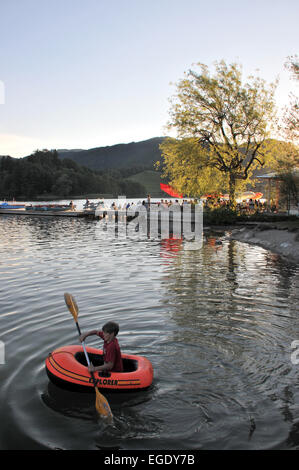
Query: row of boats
[[38, 207]]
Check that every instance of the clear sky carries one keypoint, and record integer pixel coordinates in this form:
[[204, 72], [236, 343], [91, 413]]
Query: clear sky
[[91, 73]]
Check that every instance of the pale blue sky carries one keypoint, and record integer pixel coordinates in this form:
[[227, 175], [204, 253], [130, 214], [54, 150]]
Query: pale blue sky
[[90, 73]]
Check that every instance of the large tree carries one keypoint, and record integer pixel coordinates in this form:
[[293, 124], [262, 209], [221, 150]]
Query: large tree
[[227, 120], [185, 165], [287, 159], [291, 115]]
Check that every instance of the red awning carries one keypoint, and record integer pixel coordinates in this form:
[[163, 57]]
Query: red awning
[[169, 190]]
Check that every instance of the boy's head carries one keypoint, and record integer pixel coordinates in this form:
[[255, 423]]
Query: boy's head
[[111, 327]]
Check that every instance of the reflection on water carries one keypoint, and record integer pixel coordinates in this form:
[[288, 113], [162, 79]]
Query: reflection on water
[[216, 322], [82, 405]]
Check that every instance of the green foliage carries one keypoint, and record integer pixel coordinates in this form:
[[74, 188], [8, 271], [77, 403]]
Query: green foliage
[[228, 216], [267, 217], [229, 121], [290, 125], [289, 188], [219, 216], [44, 174], [186, 167], [284, 156]]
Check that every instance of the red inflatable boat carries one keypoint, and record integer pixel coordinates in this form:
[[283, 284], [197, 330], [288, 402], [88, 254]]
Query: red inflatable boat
[[67, 367]]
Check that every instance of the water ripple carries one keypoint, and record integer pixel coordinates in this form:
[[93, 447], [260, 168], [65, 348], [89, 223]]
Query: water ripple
[[217, 324]]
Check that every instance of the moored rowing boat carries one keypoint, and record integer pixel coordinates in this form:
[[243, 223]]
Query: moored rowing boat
[[6, 205], [48, 207]]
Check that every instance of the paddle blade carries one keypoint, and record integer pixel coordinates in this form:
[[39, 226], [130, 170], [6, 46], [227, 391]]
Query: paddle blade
[[71, 305], [102, 406]]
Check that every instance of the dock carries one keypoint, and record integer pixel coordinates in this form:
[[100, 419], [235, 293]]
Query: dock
[[180, 221], [46, 213]]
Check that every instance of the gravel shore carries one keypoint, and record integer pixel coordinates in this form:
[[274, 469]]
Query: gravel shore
[[283, 239]]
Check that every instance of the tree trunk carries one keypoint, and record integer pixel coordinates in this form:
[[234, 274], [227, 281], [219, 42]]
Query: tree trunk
[[232, 191]]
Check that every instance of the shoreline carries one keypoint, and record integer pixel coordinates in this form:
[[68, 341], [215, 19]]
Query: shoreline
[[282, 240]]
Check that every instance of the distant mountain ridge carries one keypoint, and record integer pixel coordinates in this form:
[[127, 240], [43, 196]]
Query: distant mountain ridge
[[142, 154]]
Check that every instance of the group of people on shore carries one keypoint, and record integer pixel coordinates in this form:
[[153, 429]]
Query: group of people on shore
[[162, 204], [247, 206]]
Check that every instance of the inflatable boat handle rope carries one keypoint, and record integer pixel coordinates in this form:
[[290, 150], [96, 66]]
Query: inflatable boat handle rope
[[102, 405]]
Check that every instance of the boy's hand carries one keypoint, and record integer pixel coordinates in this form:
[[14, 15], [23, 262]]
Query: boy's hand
[[81, 338], [91, 368]]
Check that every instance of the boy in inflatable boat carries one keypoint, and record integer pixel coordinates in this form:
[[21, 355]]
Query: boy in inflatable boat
[[111, 349]]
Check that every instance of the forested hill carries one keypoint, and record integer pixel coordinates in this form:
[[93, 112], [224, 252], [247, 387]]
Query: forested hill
[[117, 169], [141, 155], [44, 175]]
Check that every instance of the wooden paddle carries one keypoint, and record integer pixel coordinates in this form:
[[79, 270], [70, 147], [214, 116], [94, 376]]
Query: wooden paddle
[[102, 405]]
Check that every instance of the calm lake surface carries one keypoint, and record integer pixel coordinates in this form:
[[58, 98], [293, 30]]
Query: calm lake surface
[[217, 324]]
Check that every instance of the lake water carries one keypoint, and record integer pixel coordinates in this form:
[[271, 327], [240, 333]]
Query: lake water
[[217, 323]]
